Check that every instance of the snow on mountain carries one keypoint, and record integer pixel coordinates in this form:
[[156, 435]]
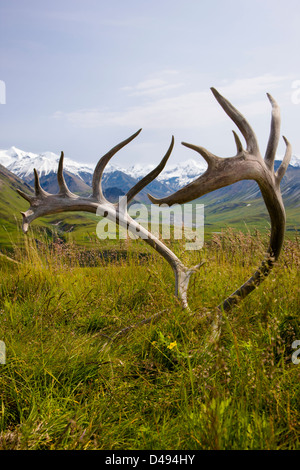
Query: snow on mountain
[[295, 161], [178, 174], [10, 156], [22, 163], [183, 173], [175, 175], [138, 171]]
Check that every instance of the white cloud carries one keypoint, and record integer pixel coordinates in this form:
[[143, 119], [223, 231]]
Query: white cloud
[[185, 110], [177, 112], [245, 87], [154, 85], [152, 90]]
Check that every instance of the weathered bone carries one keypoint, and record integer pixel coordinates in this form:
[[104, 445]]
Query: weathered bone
[[247, 164], [43, 204]]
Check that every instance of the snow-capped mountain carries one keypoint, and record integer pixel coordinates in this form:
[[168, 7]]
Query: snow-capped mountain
[[22, 163], [176, 175], [295, 161], [79, 176]]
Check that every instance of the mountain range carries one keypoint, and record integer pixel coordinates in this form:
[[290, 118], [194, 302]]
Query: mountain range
[[235, 205], [116, 180]]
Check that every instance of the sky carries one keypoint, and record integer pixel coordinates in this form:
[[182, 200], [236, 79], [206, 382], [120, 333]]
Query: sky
[[83, 75]]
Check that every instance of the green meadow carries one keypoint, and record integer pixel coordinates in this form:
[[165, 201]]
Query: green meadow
[[100, 354]]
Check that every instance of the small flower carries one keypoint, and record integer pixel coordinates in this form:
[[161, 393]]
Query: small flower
[[172, 345]]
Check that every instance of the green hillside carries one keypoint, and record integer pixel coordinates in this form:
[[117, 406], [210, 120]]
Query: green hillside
[[99, 353], [243, 215], [239, 206], [10, 206]]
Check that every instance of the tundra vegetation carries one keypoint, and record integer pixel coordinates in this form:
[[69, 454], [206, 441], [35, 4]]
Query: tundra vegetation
[[76, 377], [101, 355]]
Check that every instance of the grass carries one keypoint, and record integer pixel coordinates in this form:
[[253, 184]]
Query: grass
[[70, 382]]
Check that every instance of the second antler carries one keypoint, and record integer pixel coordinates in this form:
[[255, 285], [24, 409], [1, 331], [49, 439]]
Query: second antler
[[43, 203], [247, 164]]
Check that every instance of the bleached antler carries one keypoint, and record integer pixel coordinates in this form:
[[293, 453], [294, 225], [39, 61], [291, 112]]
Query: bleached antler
[[247, 164], [43, 203]]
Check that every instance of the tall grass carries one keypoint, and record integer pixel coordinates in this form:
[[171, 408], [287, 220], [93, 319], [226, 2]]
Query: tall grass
[[71, 382]]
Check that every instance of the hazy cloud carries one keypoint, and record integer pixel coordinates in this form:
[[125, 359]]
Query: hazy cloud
[[185, 110]]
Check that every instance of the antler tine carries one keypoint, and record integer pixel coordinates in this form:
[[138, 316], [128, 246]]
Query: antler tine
[[274, 133], [191, 188], [238, 143], [25, 196], [240, 121], [221, 172], [97, 177], [245, 165], [285, 162], [39, 191], [63, 188], [208, 156], [150, 177]]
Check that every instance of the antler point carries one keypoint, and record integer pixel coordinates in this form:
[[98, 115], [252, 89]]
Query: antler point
[[215, 92], [272, 100], [285, 139], [238, 143], [25, 196], [153, 199]]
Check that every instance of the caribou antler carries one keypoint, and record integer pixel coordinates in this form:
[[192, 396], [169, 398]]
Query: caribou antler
[[43, 203], [247, 164]]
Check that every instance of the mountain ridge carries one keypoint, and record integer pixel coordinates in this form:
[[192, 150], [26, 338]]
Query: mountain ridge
[[79, 176], [239, 205]]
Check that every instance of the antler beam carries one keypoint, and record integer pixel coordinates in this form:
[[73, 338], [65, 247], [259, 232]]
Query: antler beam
[[247, 164], [43, 203]]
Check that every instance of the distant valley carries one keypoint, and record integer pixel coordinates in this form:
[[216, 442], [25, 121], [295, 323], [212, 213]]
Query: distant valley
[[234, 205]]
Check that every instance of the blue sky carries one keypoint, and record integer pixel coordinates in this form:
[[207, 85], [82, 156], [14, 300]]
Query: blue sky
[[82, 75]]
